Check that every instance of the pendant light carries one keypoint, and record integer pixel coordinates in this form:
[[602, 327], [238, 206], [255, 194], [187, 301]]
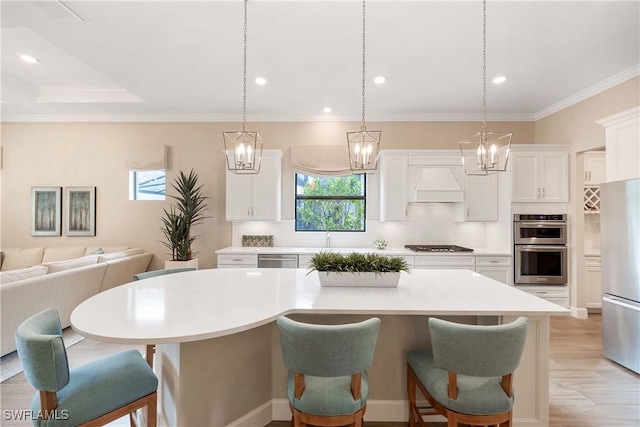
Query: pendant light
[[364, 146], [490, 150], [243, 149]]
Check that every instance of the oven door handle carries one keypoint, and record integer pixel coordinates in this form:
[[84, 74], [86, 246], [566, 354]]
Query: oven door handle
[[541, 248], [541, 225]]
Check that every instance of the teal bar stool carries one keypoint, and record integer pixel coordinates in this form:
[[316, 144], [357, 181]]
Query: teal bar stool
[[467, 375], [156, 273], [327, 384], [93, 394]]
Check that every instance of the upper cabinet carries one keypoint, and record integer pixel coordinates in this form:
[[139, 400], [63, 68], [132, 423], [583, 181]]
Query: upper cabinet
[[594, 168], [480, 197], [393, 187], [256, 197], [623, 144], [540, 176]]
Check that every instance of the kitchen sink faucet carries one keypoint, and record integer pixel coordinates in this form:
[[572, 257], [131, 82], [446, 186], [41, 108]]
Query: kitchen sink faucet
[[328, 240]]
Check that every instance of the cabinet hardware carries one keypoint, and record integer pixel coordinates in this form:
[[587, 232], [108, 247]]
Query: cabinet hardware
[[494, 261], [542, 189]]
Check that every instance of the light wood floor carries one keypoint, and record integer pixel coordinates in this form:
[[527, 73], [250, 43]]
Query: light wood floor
[[586, 390]]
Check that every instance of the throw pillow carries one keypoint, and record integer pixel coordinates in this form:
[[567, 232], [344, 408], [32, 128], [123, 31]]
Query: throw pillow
[[54, 267], [23, 273], [98, 251]]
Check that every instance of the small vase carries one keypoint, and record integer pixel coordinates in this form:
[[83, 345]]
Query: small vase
[[170, 264], [376, 280]]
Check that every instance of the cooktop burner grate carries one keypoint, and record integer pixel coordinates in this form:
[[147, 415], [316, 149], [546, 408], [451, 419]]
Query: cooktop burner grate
[[437, 248]]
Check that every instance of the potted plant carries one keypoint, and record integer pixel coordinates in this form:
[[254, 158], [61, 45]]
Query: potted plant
[[358, 269], [179, 220]]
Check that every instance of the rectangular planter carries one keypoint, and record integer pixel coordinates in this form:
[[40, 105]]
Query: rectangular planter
[[376, 280]]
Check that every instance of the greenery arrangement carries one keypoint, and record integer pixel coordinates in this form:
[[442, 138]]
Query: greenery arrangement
[[181, 217], [357, 263]]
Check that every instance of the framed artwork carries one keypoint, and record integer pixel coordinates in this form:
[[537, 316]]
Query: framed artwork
[[80, 211], [46, 211]]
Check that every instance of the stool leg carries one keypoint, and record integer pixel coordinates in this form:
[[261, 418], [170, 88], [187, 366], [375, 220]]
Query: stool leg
[[411, 392]]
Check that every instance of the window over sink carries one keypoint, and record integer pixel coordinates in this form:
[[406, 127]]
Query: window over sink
[[330, 203]]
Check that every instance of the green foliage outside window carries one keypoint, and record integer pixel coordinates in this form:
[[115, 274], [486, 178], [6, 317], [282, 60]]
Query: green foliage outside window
[[330, 204]]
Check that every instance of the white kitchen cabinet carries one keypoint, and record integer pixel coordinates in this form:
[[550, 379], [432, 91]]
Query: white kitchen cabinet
[[256, 197], [393, 188], [445, 261], [557, 294], [622, 132], [593, 279], [594, 168], [304, 260], [238, 261], [495, 267], [480, 197], [540, 176]]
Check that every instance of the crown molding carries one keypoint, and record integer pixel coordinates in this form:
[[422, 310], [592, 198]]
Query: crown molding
[[621, 117], [200, 118], [589, 92]]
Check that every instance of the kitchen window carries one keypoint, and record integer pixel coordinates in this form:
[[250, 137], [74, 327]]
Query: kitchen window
[[147, 185], [330, 203]]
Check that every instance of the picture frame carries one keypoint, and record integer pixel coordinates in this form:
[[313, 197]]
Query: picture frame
[[80, 211], [46, 211]]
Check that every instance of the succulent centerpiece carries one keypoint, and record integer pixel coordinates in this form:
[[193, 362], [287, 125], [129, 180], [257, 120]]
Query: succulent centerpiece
[[358, 269]]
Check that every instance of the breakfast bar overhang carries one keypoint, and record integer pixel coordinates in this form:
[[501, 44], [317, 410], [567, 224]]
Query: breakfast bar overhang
[[218, 354]]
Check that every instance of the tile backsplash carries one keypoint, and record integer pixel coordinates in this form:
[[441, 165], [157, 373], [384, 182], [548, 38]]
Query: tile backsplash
[[427, 223]]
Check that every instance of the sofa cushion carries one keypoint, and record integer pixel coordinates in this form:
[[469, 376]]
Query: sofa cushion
[[121, 254], [62, 253], [22, 273], [93, 250], [15, 258], [54, 267]]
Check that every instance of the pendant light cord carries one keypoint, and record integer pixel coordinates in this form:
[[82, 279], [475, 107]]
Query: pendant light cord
[[484, 67], [244, 66], [363, 127]]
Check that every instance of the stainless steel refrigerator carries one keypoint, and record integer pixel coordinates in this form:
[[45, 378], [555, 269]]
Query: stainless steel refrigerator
[[620, 244]]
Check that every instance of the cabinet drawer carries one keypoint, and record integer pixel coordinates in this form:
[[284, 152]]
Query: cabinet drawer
[[304, 261], [445, 261], [592, 261], [487, 261], [238, 260], [546, 291]]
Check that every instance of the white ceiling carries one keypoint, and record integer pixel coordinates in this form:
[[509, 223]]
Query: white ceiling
[[182, 60]]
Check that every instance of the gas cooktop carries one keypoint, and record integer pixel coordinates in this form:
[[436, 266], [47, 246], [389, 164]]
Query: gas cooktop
[[437, 248]]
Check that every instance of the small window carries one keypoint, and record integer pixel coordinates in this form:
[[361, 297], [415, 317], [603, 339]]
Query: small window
[[147, 185], [330, 204]]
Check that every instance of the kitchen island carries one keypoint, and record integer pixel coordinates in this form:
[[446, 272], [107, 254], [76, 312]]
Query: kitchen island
[[218, 354]]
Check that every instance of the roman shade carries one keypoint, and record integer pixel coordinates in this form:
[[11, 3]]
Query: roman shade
[[323, 160], [147, 157]]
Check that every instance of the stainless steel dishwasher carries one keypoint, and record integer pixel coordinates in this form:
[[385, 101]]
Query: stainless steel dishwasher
[[278, 261]]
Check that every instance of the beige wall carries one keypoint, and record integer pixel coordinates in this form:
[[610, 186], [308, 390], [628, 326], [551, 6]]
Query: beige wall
[[92, 154]]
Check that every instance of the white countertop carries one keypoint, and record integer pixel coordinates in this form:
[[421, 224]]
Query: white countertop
[[230, 250], [204, 304]]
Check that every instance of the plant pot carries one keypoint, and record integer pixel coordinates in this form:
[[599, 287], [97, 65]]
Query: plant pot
[[170, 264], [376, 280]]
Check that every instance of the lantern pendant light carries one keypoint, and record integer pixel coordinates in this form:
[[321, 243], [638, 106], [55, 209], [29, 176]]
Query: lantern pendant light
[[243, 149], [364, 146], [490, 150]]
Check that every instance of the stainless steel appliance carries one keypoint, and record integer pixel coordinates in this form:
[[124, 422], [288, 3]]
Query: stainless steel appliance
[[277, 261], [437, 248], [620, 237], [540, 250]]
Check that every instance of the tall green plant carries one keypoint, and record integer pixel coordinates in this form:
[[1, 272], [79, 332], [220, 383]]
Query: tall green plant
[[181, 217]]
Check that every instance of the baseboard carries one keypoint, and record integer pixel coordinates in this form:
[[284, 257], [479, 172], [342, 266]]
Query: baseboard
[[261, 416], [579, 313]]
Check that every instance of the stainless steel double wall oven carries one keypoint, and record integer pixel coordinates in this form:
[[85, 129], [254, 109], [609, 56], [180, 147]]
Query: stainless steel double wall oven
[[540, 249]]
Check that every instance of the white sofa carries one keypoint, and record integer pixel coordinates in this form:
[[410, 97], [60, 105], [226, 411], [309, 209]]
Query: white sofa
[[61, 278]]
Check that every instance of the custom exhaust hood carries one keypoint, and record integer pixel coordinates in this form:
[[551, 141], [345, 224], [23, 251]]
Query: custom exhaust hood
[[437, 184]]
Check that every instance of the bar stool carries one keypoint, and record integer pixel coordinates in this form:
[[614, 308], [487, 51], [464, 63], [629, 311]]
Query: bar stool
[[327, 382], [467, 376]]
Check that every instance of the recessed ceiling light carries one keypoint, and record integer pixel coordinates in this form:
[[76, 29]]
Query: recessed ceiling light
[[28, 58], [379, 80], [499, 79], [327, 109], [261, 81]]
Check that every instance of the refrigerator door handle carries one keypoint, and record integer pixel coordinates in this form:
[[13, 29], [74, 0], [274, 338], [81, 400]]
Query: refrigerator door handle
[[621, 302]]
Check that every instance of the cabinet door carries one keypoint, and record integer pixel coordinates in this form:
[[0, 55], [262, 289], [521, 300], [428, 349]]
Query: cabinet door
[[593, 277], [524, 177], [238, 197], [481, 198], [554, 177], [501, 274], [266, 189], [393, 188], [594, 168]]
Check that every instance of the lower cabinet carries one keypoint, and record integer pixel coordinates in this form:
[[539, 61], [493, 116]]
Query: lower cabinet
[[557, 294], [237, 261], [593, 279], [445, 261], [497, 268]]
